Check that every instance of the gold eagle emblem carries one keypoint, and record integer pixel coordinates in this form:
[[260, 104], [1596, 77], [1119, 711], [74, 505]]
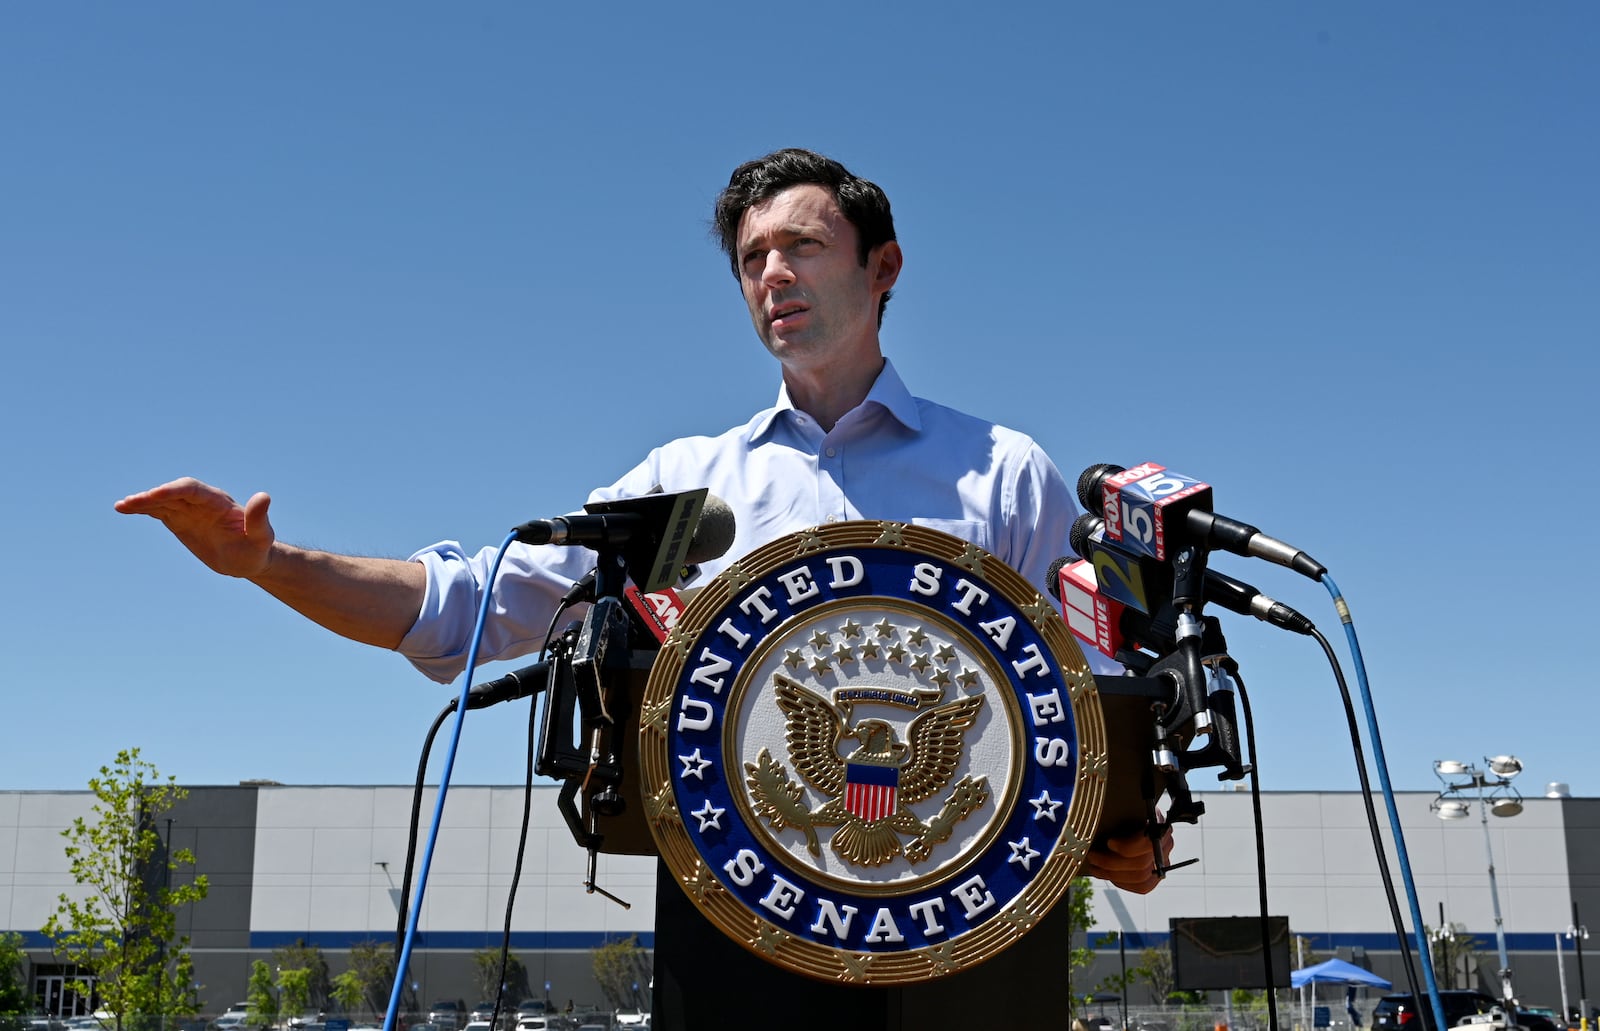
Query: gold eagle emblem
[[868, 793]]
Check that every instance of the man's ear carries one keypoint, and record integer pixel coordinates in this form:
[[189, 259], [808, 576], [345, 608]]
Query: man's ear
[[884, 263]]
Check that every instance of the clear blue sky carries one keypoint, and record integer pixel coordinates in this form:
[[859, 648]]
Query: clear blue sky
[[426, 271]]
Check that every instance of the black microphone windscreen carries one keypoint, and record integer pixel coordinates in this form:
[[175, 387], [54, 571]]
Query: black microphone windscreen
[[1052, 577], [1082, 529], [1091, 483]]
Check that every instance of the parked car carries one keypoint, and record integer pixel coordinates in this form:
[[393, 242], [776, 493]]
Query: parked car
[[1394, 1012], [449, 1014], [1540, 1018]]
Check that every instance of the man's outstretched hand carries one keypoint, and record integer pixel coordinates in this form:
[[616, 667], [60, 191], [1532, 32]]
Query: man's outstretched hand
[[230, 538]]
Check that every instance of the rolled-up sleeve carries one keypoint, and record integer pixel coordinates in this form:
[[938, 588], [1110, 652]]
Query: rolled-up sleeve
[[529, 585]]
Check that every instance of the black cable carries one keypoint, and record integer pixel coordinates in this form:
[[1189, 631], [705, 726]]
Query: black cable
[[1232, 669], [1408, 961], [416, 821]]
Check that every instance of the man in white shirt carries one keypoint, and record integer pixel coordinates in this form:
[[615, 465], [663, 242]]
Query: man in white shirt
[[814, 251]]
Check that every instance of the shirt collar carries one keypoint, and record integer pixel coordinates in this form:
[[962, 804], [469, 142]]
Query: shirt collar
[[888, 392]]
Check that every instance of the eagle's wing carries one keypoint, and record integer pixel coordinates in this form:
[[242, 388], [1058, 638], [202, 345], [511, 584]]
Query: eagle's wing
[[935, 741], [813, 730]]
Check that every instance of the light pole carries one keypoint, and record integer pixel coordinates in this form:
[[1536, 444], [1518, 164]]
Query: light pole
[[1444, 937], [1561, 977], [1580, 934], [1502, 800]]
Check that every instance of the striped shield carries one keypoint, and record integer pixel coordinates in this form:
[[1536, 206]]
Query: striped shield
[[870, 791]]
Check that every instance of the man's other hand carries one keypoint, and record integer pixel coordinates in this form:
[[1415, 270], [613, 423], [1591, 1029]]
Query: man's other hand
[[1130, 863]]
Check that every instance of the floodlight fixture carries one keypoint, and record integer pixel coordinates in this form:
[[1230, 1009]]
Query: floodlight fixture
[[1506, 766], [1506, 805]]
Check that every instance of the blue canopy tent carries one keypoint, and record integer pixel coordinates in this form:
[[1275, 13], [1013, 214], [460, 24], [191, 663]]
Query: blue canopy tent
[[1337, 971]]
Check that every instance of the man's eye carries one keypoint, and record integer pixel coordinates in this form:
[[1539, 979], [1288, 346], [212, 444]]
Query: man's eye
[[806, 245]]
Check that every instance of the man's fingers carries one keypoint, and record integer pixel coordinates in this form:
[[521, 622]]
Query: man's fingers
[[177, 496], [1130, 862]]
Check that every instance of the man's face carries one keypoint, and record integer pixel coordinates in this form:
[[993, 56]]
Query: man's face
[[810, 299]]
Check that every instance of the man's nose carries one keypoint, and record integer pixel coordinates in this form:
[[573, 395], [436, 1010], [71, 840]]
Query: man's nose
[[776, 271]]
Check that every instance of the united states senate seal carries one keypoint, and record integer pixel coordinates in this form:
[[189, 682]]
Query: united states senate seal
[[872, 753]]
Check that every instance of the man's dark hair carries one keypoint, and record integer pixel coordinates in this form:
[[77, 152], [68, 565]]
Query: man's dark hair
[[861, 201]]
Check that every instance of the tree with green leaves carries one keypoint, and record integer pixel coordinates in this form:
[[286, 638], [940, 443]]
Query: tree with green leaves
[[623, 970], [301, 956], [1121, 980], [261, 996], [13, 988], [487, 976], [372, 966], [294, 992], [123, 928], [1249, 1007], [348, 992], [1080, 919], [1155, 970]]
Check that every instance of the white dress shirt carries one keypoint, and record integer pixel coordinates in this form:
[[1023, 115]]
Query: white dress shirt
[[893, 457]]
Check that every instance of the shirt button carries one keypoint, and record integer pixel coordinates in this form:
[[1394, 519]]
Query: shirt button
[[831, 452]]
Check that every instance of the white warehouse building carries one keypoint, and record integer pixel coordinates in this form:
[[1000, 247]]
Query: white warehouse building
[[323, 866]]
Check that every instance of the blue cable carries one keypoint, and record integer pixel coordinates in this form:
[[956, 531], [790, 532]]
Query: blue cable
[[403, 962], [1388, 800]]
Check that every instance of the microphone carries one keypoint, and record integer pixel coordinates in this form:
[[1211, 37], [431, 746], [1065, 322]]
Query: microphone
[[1133, 580], [1129, 575], [517, 684], [1152, 510], [654, 533], [1238, 596], [1117, 600], [1091, 616], [713, 536]]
